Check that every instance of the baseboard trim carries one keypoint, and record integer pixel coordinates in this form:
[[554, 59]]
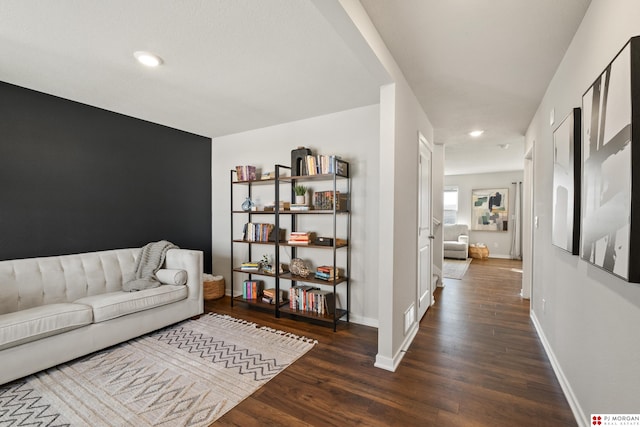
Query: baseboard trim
[[391, 364], [578, 413], [500, 256], [364, 321]]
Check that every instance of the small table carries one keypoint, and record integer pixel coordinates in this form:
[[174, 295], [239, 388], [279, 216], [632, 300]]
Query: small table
[[478, 252]]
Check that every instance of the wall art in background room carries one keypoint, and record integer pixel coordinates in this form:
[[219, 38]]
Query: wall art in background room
[[490, 209], [566, 178], [610, 187]]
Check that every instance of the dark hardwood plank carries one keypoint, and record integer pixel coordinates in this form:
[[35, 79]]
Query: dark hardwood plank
[[476, 361]]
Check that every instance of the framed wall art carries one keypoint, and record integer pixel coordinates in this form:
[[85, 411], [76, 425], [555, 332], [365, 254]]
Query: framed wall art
[[490, 209], [566, 183], [610, 183]]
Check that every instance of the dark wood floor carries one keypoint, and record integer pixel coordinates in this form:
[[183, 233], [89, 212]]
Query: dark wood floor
[[476, 361]]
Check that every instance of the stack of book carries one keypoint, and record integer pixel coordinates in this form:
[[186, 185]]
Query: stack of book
[[252, 289], [283, 206], [269, 296], [296, 207], [250, 266], [310, 299], [299, 238], [328, 273], [323, 200]]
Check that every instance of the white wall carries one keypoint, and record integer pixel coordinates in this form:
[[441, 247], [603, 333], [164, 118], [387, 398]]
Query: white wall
[[352, 134], [401, 120], [590, 318], [498, 242]]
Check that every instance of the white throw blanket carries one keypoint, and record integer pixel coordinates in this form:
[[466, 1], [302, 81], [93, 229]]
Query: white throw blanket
[[150, 261]]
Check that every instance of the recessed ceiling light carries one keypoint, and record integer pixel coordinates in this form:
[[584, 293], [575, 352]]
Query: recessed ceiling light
[[476, 133], [147, 58]]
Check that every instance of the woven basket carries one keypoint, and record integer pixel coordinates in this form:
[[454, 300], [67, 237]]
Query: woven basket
[[213, 286]]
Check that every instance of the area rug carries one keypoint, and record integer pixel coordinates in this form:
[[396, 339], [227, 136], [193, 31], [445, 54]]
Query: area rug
[[455, 268], [188, 374]]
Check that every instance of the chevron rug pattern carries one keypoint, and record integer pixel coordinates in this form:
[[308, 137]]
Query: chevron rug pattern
[[188, 374]]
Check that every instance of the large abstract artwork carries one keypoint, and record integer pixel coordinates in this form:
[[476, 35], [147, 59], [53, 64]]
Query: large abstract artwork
[[566, 179], [610, 148], [490, 209]]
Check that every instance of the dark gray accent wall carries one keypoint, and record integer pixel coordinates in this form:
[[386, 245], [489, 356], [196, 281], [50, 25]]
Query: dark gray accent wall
[[75, 178]]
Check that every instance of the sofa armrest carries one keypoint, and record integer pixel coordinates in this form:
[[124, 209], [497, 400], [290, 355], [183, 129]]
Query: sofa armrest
[[463, 239], [192, 262]]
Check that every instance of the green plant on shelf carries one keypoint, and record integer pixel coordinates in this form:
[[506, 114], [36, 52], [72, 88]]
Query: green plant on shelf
[[300, 190]]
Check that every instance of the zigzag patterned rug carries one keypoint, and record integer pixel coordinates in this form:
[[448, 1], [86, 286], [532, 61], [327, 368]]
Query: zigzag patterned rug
[[188, 374]]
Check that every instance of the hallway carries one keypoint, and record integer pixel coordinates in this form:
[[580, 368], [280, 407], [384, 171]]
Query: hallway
[[476, 361], [480, 345]]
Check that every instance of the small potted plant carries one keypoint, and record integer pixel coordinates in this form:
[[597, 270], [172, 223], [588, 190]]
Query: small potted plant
[[301, 192]]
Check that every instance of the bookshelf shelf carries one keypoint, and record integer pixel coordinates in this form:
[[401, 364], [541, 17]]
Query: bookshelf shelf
[[310, 279], [253, 243], [257, 303], [337, 218], [340, 313], [257, 273]]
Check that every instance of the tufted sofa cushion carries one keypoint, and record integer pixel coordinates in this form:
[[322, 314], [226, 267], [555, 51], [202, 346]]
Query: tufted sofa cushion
[[40, 322], [33, 282], [115, 304]]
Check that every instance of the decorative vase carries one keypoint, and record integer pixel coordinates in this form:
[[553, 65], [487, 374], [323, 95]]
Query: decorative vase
[[247, 204], [301, 200]]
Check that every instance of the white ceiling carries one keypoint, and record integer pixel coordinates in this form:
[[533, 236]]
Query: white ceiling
[[478, 64], [230, 65], [235, 65]]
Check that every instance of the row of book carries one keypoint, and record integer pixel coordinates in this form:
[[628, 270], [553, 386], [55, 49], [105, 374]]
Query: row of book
[[310, 299], [322, 164], [325, 199], [246, 173], [257, 232], [252, 289], [328, 273]]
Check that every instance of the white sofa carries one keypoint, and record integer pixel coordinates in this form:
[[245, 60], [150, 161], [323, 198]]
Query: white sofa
[[456, 241], [55, 309]]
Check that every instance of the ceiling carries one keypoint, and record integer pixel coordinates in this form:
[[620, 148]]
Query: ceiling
[[478, 64], [236, 65], [229, 65]]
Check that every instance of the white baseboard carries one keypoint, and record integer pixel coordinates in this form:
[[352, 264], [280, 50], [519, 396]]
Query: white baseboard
[[391, 364], [578, 413], [361, 320], [500, 256]]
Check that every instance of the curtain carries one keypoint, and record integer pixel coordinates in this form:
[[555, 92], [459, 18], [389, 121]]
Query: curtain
[[516, 237]]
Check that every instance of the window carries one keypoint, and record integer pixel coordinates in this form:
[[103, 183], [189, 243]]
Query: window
[[450, 205]]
